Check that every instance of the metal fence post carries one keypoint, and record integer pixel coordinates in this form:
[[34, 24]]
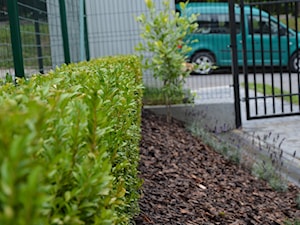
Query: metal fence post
[[16, 42], [64, 30], [81, 30], [235, 70], [86, 37], [38, 39]]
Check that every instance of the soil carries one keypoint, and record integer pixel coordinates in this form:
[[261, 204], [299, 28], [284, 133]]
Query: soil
[[187, 182]]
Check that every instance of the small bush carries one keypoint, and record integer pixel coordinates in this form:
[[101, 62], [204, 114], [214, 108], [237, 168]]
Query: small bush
[[163, 32]]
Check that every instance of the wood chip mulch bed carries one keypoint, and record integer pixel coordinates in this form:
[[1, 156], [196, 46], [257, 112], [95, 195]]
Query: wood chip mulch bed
[[187, 182]]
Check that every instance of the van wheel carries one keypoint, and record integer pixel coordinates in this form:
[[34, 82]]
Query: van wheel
[[295, 62], [204, 61]]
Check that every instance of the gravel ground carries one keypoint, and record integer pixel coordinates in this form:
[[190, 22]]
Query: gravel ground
[[187, 182]]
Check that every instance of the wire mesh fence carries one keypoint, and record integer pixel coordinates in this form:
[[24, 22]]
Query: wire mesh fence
[[65, 31], [6, 58], [34, 34], [33, 31], [53, 32]]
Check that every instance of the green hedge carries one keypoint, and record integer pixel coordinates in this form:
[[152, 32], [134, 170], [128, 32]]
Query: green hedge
[[69, 145]]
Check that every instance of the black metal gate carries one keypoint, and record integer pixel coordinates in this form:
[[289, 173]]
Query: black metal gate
[[267, 47]]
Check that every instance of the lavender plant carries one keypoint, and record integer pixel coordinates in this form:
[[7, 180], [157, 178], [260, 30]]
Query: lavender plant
[[263, 159]]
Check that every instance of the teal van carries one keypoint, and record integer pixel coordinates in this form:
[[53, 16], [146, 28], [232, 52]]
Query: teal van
[[268, 42]]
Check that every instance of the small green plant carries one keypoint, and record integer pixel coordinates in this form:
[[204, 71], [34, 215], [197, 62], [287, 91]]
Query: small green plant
[[298, 201], [266, 171], [271, 164], [289, 222], [163, 32], [8, 79]]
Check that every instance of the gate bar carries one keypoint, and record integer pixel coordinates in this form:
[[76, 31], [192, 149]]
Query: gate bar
[[235, 70], [86, 35], [38, 39]]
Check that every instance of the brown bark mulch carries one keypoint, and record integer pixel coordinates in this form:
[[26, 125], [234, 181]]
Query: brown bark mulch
[[187, 182]]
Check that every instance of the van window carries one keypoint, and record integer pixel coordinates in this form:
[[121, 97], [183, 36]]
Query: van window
[[215, 23], [262, 26]]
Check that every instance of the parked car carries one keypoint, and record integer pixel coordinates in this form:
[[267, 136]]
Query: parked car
[[268, 41]]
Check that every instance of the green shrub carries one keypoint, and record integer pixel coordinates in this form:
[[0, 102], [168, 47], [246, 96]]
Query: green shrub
[[69, 150], [163, 32]]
